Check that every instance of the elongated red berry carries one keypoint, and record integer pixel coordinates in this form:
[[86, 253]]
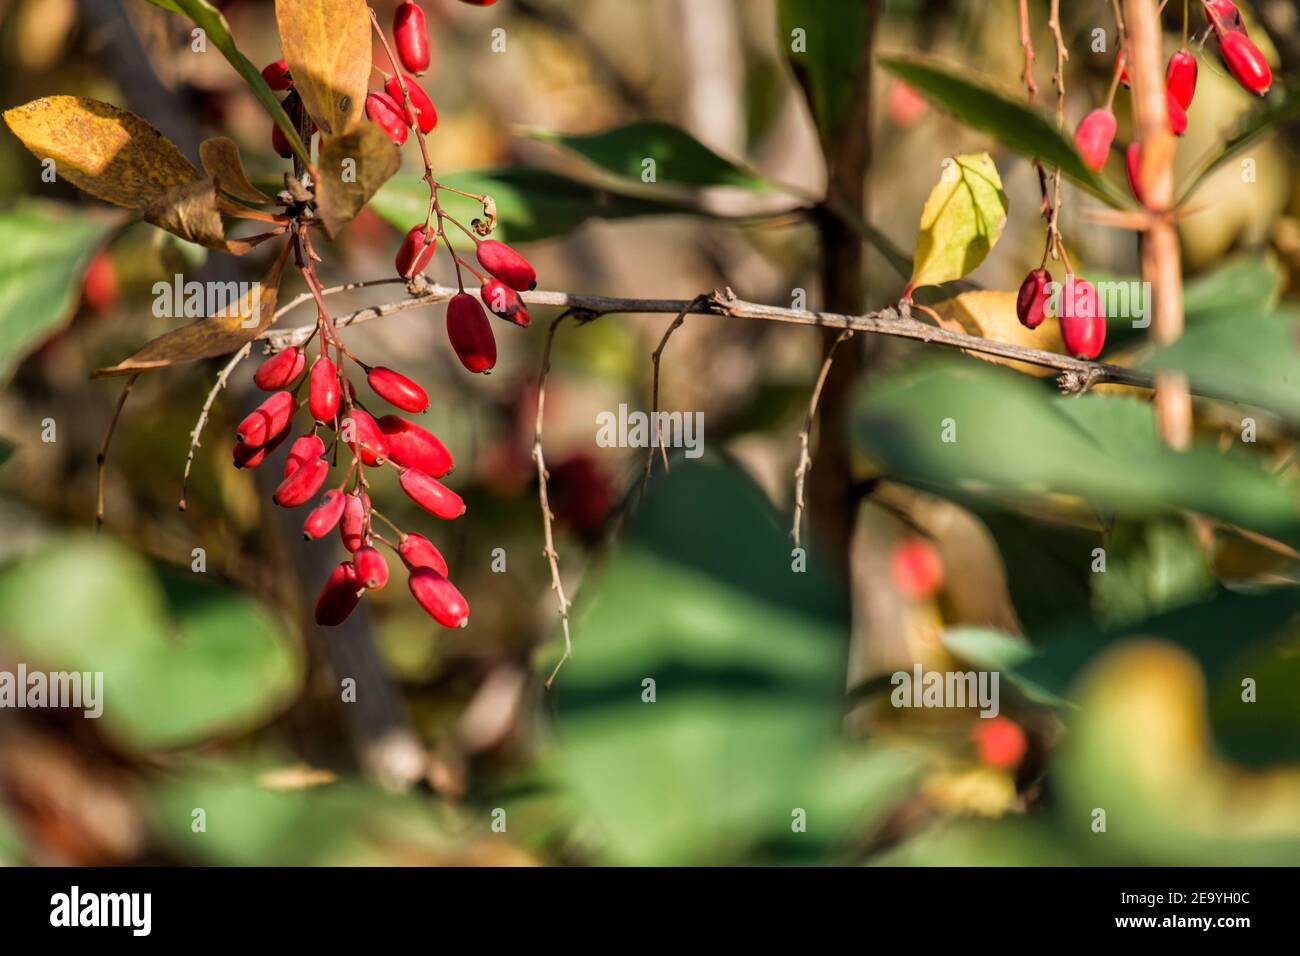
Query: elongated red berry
[[325, 515], [1246, 63], [249, 456], [280, 369], [352, 525], [417, 551], [431, 494], [439, 597], [470, 333], [1180, 77], [504, 301], [507, 265], [383, 111], [398, 390], [339, 597], [414, 253], [1083, 321], [303, 450], [280, 143], [323, 390], [1133, 167], [277, 75], [411, 446], [1177, 115], [1093, 136], [412, 40], [1031, 303], [372, 569], [1224, 17], [303, 484], [364, 438], [425, 114], [267, 420]]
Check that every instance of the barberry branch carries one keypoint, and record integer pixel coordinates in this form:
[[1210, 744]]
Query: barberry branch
[[655, 358], [805, 436], [548, 517], [1027, 43], [102, 458], [222, 378]]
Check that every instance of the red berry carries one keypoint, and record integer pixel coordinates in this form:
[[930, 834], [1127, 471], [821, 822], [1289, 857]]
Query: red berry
[[250, 456], [325, 515], [365, 438], [372, 569], [1180, 77], [323, 390], [1224, 16], [1133, 167], [1093, 136], [1177, 115], [277, 75], [99, 284], [382, 110], [439, 597], [397, 390], [504, 301], [414, 254], [1121, 61], [267, 420], [280, 369], [352, 525], [303, 450], [411, 446], [1000, 742], [302, 484], [425, 114], [339, 597], [917, 568], [412, 40], [470, 333], [507, 265], [279, 142], [1246, 63], [1031, 303], [417, 551], [431, 494], [1083, 322]]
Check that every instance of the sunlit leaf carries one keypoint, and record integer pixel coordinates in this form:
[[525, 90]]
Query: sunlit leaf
[[352, 167], [962, 220], [825, 43], [327, 46], [992, 315], [222, 162]]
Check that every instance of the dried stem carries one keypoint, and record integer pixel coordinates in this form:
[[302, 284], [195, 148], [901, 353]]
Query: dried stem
[[222, 378], [102, 458], [548, 517], [1027, 43], [805, 433], [655, 358]]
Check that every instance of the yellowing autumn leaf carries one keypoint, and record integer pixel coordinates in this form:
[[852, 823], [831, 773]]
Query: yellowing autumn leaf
[[327, 46], [352, 168], [992, 315], [961, 222], [221, 160]]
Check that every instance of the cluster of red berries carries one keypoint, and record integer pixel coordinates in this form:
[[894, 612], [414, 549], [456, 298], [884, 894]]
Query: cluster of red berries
[[1083, 320]]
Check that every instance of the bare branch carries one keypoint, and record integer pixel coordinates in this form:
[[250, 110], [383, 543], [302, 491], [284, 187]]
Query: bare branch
[[222, 378], [805, 433], [102, 458], [548, 518], [655, 357]]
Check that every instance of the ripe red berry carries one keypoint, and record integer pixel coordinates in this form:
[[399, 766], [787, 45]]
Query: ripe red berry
[[425, 114], [1031, 303], [414, 254], [302, 484], [411, 446], [999, 741], [397, 390], [412, 40], [1176, 114], [507, 265], [1133, 167], [99, 285], [470, 333], [250, 456], [1121, 61], [372, 569], [1180, 77], [280, 143], [1246, 63], [439, 597], [417, 551], [917, 568], [382, 110], [339, 597], [267, 420], [352, 525], [325, 515], [431, 494], [280, 369], [1093, 136], [364, 438], [1083, 321], [303, 450], [504, 301], [323, 390], [1224, 17], [277, 75]]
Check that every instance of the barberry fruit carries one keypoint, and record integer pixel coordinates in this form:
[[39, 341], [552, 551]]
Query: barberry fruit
[[302, 484], [917, 568], [1176, 114], [417, 551], [412, 39], [397, 390], [352, 525], [250, 456], [439, 597], [1031, 302], [1083, 322], [323, 390], [277, 75], [1133, 167], [431, 494], [1093, 136], [470, 333], [425, 114], [1246, 63], [384, 111], [325, 515], [279, 142], [414, 253], [507, 265], [1224, 17], [280, 369], [339, 597], [364, 438], [267, 420], [372, 569], [999, 741], [303, 450], [99, 285], [411, 446], [1180, 77], [504, 301]]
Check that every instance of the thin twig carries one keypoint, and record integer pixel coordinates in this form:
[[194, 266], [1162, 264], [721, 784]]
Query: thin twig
[[222, 377], [552, 556], [805, 433], [1027, 43], [655, 358], [102, 458]]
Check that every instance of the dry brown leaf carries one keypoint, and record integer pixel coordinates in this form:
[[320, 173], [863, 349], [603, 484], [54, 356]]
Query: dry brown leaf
[[367, 157], [221, 161], [992, 315], [327, 46], [108, 152], [193, 212], [216, 335]]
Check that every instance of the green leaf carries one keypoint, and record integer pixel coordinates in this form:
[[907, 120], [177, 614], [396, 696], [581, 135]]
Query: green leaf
[[1278, 111], [1013, 124], [995, 651], [677, 155], [210, 19], [1150, 566], [1015, 441], [1242, 284], [531, 203], [823, 40], [182, 662], [44, 251], [962, 220]]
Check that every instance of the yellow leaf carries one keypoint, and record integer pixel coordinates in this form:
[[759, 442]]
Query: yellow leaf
[[108, 152], [352, 168], [193, 212], [961, 222], [992, 315], [221, 161], [327, 46]]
